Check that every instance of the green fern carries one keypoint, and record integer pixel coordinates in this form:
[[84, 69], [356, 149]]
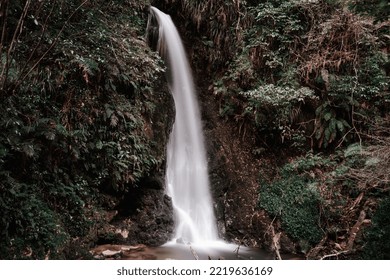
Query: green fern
[[328, 126]]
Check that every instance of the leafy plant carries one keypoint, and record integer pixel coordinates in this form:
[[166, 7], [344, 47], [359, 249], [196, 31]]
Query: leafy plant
[[294, 198], [378, 235], [278, 25], [30, 228], [295, 202], [328, 126], [380, 9], [281, 102]]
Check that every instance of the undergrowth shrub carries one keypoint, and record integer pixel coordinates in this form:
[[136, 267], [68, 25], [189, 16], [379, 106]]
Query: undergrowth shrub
[[275, 109], [320, 197], [30, 227], [296, 202], [379, 9], [378, 235], [294, 198]]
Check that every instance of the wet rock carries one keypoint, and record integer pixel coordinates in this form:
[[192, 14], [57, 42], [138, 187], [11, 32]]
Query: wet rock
[[109, 253], [145, 216], [123, 252], [234, 175], [180, 240], [123, 232]]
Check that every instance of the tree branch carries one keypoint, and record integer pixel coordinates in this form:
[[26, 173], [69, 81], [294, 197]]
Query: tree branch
[[51, 46], [15, 37]]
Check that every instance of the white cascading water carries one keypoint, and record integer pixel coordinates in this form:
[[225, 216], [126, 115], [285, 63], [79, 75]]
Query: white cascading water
[[187, 173]]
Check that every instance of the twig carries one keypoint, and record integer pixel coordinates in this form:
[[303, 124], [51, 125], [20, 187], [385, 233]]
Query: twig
[[334, 255], [269, 227], [4, 11], [237, 250], [275, 239], [44, 26], [357, 200], [344, 136], [355, 229], [15, 37], [276, 243]]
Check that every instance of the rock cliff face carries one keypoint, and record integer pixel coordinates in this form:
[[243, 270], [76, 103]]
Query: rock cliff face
[[144, 215], [234, 172]]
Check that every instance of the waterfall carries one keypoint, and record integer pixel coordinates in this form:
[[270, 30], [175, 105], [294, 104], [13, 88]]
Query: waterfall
[[186, 172]]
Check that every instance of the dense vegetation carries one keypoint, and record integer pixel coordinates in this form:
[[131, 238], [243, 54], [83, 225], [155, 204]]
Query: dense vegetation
[[76, 122], [78, 95], [309, 79]]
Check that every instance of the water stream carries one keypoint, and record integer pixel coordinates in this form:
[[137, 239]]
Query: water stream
[[187, 172]]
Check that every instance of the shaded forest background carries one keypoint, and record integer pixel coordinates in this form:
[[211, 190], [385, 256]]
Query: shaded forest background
[[304, 86]]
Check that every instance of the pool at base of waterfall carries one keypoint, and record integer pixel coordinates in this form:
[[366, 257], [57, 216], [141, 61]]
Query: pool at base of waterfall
[[214, 250], [178, 250]]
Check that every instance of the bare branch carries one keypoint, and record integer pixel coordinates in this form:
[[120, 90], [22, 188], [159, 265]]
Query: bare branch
[[51, 46], [334, 255], [3, 17], [44, 27], [15, 37]]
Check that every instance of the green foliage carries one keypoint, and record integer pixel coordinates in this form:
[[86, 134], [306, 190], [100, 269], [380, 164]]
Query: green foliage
[[295, 201], [30, 228], [42, 199], [357, 96], [278, 24], [310, 161], [281, 102], [262, 81], [329, 126], [321, 46], [378, 235], [379, 9], [294, 198], [313, 194], [366, 84]]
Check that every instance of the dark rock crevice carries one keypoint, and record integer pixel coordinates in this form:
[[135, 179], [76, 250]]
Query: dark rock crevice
[[146, 214]]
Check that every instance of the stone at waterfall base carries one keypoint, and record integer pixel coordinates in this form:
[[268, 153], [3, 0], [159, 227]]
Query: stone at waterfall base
[[122, 252]]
